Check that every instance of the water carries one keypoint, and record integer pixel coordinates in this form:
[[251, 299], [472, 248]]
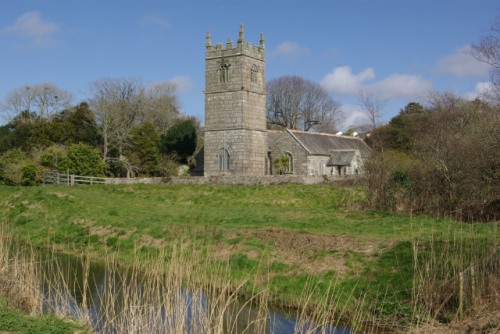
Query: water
[[115, 300]]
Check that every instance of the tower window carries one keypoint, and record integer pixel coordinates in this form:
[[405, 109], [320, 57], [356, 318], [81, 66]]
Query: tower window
[[253, 73], [224, 72], [223, 159]]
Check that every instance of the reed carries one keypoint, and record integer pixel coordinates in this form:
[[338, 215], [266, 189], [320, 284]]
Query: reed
[[456, 276]]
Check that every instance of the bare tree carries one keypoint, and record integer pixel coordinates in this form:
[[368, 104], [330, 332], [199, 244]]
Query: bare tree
[[372, 106], [160, 106], [121, 104], [116, 106], [488, 51], [296, 103], [42, 100]]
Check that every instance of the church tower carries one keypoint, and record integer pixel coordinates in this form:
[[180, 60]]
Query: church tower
[[235, 108]]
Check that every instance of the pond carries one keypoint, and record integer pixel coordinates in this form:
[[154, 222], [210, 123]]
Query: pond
[[122, 300]]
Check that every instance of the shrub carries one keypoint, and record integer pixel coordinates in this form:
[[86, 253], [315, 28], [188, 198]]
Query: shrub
[[16, 168], [84, 160]]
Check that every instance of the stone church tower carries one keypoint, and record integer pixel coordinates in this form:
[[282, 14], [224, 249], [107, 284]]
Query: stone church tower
[[235, 108]]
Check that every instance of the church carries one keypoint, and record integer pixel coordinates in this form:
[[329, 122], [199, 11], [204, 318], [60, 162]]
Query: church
[[236, 140]]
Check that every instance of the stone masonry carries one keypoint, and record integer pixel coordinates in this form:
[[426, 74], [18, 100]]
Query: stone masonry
[[235, 108]]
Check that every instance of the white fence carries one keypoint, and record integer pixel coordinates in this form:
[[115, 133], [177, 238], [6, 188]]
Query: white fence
[[70, 179]]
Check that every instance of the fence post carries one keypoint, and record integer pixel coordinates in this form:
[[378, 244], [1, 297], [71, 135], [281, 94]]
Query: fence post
[[461, 296], [72, 180]]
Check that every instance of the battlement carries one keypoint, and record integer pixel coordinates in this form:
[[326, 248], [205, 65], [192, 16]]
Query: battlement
[[241, 47]]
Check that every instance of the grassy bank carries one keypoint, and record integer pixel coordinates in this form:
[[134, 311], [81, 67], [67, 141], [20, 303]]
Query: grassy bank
[[307, 245]]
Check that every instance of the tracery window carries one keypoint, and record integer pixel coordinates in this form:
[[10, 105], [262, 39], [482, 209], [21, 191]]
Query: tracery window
[[253, 73], [224, 159], [224, 72]]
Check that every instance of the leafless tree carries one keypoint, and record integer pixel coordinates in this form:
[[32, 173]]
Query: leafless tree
[[120, 104], [372, 106], [160, 106], [42, 100], [296, 103], [488, 51], [116, 106]]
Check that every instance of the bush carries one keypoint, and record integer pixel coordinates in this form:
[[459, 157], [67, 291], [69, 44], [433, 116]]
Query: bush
[[16, 168], [28, 175], [84, 160]]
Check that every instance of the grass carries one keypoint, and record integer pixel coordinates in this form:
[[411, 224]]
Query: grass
[[15, 321], [284, 237]]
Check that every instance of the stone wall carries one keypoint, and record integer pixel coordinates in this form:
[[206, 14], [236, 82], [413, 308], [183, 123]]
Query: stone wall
[[233, 179]]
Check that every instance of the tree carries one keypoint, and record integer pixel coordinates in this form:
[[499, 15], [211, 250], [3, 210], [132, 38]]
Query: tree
[[402, 130], [80, 124], [488, 51], [116, 106], [121, 104], [16, 168], [159, 106], [181, 140], [42, 100], [143, 154], [449, 164], [85, 160], [296, 103]]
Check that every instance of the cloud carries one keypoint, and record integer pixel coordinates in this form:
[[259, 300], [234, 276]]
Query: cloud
[[462, 64], [156, 20], [342, 81], [33, 28], [401, 86], [481, 89], [289, 49], [183, 83], [354, 116]]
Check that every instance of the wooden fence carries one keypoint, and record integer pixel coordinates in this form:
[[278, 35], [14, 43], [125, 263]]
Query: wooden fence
[[52, 177]]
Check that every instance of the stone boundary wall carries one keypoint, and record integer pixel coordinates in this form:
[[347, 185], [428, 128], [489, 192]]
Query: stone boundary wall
[[236, 180]]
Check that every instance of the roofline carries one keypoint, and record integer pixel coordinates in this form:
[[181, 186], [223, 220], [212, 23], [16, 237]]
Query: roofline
[[298, 141]]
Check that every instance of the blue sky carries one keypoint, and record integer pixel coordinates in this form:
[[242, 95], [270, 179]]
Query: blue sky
[[398, 49]]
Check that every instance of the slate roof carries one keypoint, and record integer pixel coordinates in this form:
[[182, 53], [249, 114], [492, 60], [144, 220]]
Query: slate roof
[[325, 143], [341, 158]]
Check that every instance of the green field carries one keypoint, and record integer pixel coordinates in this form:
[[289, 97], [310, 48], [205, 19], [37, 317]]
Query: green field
[[291, 238]]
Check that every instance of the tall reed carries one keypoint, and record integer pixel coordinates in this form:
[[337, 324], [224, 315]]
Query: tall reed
[[456, 275]]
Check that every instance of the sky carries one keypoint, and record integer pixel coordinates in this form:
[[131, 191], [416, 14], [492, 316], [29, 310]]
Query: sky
[[398, 50]]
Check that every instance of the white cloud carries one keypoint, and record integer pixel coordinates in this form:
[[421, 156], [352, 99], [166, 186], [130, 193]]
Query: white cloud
[[289, 49], [342, 81], [481, 89], [183, 83], [401, 86], [462, 64], [354, 116], [32, 27], [156, 20]]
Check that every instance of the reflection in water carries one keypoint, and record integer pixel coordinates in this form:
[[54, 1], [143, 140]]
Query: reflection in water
[[117, 300]]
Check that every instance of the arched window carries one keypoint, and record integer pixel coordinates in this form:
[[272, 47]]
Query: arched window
[[253, 73], [321, 169], [224, 72], [223, 159], [290, 162]]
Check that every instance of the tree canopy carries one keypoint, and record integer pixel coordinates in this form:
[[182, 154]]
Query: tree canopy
[[296, 103]]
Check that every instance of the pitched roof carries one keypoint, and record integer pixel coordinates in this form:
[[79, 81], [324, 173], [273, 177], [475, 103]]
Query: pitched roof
[[341, 158], [325, 143]]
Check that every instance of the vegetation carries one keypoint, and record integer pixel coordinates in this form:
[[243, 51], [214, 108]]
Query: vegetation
[[309, 247], [442, 159], [122, 123], [296, 103]]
